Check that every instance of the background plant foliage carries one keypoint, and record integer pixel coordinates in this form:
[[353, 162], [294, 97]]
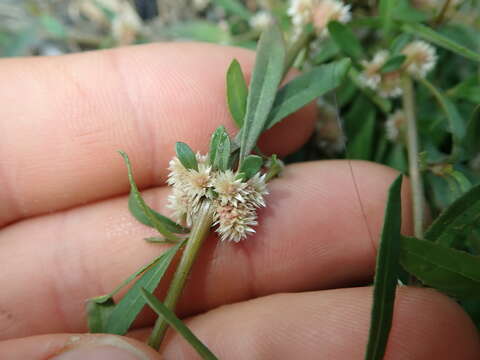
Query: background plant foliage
[[352, 119]]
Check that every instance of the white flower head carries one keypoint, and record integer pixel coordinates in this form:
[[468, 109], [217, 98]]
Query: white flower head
[[329, 10], [235, 223], [421, 58], [300, 11], [395, 125], [261, 20], [234, 200], [386, 84], [319, 13], [371, 77]]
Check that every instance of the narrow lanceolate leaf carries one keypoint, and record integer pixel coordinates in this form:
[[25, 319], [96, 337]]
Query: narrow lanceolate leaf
[[137, 211], [449, 270], [145, 214], [98, 313], [399, 43], [124, 313], [250, 166], [457, 220], [456, 123], [392, 64], [216, 138], [386, 275], [430, 35], [178, 325], [345, 39], [237, 92], [266, 77], [306, 88], [222, 158], [186, 156]]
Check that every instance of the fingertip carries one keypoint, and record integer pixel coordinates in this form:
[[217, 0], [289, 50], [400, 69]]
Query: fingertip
[[76, 347]]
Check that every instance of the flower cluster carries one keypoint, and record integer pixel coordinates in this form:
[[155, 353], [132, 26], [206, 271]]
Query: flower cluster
[[319, 13], [235, 201], [395, 126], [261, 20], [420, 59]]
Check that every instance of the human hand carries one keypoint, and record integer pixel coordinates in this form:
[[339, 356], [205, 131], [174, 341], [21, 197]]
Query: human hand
[[67, 234]]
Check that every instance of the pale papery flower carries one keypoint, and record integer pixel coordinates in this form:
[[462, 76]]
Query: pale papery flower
[[386, 84], [234, 200], [421, 58], [261, 20], [329, 10], [234, 223], [371, 76], [300, 11], [395, 125], [319, 13]]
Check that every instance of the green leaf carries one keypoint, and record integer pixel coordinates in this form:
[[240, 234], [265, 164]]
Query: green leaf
[[472, 145], [451, 271], [386, 275], [237, 92], [305, 88], [440, 40], [329, 49], [137, 211], [360, 134], [250, 166], [467, 90], [98, 314], [457, 220], [186, 156], [267, 74], [234, 7], [178, 325], [345, 39], [392, 64], [456, 123], [141, 211], [220, 149], [399, 43], [124, 313]]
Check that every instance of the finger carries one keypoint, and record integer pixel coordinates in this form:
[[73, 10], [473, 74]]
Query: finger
[[330, 324], [313, 235], [76, 347], [60, 150]]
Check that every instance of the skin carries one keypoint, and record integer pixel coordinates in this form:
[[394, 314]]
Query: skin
[[294, 289]]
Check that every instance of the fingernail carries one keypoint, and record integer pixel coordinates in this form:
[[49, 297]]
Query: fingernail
[[100, 348]]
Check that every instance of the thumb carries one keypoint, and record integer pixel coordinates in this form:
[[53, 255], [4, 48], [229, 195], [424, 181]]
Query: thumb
[[76, 347]]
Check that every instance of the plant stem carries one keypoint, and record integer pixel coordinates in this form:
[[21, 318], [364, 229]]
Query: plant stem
[[441, 15], [413, 151], [298, 45], [199, 233]]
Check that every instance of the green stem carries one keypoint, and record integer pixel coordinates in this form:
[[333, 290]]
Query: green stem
[[413, 151], [199, 233], [443, 12], [298, 45]]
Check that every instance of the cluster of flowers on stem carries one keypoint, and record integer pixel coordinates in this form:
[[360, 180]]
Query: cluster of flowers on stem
[[420, 59], [318, 13], [235, 200]]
